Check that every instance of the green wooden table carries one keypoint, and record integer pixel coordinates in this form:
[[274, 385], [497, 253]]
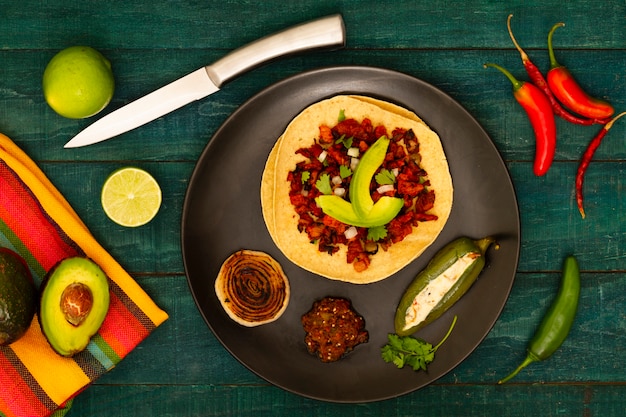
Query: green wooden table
[[181, 369]]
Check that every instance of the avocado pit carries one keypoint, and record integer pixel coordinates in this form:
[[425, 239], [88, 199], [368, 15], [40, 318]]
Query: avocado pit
[[76, 302]]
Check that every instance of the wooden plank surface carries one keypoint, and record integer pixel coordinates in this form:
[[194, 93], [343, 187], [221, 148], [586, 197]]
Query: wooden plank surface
[[182, 370]]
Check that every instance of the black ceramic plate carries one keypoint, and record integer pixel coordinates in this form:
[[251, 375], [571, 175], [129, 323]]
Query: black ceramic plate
[[222, 214]]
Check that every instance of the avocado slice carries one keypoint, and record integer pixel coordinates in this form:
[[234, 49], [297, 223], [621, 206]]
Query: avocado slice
[[361, 210], [18, 297], [362, 177], [73, 304], [384, 211]]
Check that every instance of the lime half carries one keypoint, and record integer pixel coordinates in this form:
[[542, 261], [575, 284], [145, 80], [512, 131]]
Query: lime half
[[131, 197]]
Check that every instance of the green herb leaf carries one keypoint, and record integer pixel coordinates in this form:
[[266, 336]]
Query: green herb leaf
[[323, 184], [347, 142], [342, 115], [377, 233], [344, 171], [388, 354], [305, 176], [385, 177], [408, 351]]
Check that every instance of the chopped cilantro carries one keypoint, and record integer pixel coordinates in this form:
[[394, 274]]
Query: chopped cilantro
[[342, 115], [344, 171], [376, 233], [323, 184], [385, 177], [347, 142], [305, 176]]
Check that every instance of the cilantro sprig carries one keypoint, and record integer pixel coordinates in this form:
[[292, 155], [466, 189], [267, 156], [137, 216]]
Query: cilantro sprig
[[409, 351], [346, 141], [344, 171], [377, 233], [323, 184], [385, 177]]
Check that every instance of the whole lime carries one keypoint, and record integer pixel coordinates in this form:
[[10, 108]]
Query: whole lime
[[78, 82]]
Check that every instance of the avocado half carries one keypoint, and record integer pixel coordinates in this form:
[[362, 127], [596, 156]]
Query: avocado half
[[73, 304], [18, 297]]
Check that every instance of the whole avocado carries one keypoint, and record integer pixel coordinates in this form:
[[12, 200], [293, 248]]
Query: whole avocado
[[18, 297]]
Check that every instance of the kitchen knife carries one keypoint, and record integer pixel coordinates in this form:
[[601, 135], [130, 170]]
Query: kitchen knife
[[327, 32]]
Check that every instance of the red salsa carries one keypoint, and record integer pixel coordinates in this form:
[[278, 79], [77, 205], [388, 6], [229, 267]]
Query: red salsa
[[328, 168], [333, 328]]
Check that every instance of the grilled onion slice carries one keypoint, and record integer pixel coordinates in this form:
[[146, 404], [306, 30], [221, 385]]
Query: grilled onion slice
[[252, 288]]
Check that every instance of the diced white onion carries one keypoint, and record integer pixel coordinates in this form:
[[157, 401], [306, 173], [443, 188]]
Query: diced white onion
[[385, 188], [353, 152], [395, 171], [339, 191], [304, 192], [336, 180], [353, 163], [350, 232], [322, 156]]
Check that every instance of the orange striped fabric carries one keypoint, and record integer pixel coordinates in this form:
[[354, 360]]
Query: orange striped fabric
[[39, 224]]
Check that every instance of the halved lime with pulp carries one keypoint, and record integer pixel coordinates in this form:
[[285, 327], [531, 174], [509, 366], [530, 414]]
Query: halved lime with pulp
[[131, 197]]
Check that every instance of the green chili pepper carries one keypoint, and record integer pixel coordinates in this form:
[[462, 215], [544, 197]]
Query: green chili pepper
[[557, 322], [446, 278]]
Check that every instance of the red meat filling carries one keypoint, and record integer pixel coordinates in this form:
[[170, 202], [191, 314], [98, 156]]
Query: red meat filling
[[327, 155]]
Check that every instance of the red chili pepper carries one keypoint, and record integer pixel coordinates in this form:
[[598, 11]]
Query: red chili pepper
[[586, 159], [570, 93], [539, 111], [539, 80]]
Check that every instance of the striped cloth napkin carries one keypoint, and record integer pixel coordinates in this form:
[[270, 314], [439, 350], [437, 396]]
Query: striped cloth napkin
[[39, 224]]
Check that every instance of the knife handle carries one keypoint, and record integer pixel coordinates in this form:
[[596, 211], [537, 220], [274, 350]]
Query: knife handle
[[327, 32]]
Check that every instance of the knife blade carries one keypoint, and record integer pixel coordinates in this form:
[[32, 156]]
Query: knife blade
[[327, 32]]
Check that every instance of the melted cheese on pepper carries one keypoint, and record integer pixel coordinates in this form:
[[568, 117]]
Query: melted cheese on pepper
[[435, 290]]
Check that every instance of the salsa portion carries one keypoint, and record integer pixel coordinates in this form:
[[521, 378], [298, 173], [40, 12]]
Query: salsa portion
[[328, 168], [333, 328]]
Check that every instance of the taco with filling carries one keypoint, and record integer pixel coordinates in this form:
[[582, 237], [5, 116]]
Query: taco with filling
[[315, 162]]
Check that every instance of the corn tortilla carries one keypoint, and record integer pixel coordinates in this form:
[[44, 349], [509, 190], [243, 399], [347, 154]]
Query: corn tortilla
[[281, 219]]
